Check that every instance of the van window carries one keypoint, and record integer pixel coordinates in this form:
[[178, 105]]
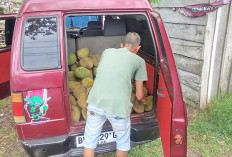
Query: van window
[[106, 31], [40, 47], [79, 21], [6, 32]]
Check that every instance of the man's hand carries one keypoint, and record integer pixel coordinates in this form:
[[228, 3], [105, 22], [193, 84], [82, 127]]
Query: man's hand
[[139, 92], [144, 100]]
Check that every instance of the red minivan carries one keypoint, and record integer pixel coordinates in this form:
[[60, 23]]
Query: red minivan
[[45, 32]]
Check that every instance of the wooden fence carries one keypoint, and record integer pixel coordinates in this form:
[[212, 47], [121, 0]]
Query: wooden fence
[[217, 69], [202, 49], [187, 37]]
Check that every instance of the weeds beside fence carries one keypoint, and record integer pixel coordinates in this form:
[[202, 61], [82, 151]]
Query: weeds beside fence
[[210, 132]]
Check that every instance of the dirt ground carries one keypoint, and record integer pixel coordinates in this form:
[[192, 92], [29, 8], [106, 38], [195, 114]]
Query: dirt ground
[[10, 145]]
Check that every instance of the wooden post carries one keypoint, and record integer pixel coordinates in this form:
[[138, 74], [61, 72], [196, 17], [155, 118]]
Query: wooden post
[[226, 71]]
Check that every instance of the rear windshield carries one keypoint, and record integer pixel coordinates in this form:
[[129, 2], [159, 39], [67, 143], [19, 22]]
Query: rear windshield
[[40, 47], [98, 32]]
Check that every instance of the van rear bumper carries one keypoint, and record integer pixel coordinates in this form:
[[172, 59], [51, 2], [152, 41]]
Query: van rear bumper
[[65, 145]]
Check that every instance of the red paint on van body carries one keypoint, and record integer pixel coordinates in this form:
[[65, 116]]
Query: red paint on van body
[[83, 5], [5, 64], [150, 77], [179, 115], [5, 72], [5, 55], [52, 80], [164, 114]]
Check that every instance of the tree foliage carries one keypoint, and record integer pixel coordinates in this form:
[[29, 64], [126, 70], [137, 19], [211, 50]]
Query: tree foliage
[[155, 1], [42, 26]]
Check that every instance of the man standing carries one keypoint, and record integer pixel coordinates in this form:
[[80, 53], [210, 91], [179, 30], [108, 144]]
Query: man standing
[[111, 93]]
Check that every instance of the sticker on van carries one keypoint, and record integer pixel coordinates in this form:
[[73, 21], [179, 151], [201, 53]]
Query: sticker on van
[[37, 106]]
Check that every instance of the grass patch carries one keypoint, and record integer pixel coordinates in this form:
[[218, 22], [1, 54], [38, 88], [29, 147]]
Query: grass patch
[[3, 103], [210, 132], [150, 149], [10, 145]]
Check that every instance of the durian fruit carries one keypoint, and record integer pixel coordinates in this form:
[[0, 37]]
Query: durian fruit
[[94, 71], [71, 76], [95, 58], [82, 53], [138, 106], [132, 97], [145, 90], [88, 90], [72, 100], [82, 72], [79, 108], [91, 73], [84, 113], [87, 82], [73, 67], [72, 58], [72, 85], [149, 105], [76, 114], [86, 63], [78, 90], [82, 100]]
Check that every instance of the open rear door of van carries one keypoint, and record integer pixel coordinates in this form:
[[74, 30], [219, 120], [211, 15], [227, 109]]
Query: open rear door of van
[[7, 22], [171, 111]]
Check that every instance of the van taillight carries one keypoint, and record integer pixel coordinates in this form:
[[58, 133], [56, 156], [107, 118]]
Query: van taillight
[[17, 106]]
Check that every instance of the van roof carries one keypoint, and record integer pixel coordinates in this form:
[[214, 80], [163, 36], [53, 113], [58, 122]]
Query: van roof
[[68, 5]]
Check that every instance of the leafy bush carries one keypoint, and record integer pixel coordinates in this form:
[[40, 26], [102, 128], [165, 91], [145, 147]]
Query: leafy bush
[[155, 1]]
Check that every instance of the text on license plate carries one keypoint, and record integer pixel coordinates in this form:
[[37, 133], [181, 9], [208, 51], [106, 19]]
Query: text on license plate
[[105, 137]]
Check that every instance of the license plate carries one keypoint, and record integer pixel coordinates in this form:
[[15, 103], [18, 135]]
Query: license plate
[[105, 137]]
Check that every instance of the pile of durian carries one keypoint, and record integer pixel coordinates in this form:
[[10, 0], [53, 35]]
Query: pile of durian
[[138, 106], [82, 71]]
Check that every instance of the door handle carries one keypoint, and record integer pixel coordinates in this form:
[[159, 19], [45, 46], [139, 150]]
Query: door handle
[[159, 94]]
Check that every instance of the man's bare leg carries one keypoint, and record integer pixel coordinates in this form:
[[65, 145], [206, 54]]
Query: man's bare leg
[[88, 152], [120, 153]]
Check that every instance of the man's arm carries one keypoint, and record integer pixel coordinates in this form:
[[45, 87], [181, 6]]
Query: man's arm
[[139, 92]]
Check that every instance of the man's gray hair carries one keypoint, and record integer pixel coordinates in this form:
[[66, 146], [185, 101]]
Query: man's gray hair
[[132, 39]]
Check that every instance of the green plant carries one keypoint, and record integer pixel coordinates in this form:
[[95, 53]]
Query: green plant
[[3, 103], [155, 1]]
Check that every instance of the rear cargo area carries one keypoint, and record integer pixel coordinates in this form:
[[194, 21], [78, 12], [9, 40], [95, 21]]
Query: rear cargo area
[[86, 38]]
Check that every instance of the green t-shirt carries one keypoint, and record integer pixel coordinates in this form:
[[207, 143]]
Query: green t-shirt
[[112, 87]]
